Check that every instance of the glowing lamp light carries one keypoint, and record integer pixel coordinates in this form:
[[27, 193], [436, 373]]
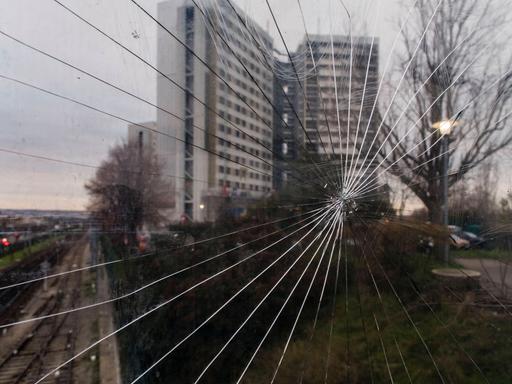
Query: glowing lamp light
[[5, 242], [201, 206], [445, 126]]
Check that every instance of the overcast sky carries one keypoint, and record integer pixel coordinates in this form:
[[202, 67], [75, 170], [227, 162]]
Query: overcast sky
[[36, 123]]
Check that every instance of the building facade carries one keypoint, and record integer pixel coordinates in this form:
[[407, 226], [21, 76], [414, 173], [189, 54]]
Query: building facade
[[323, 104], [287, 132], [222, 148]]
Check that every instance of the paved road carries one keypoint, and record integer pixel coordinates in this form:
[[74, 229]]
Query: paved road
[[496, 276]]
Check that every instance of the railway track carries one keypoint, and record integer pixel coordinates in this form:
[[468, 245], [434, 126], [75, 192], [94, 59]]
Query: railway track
[[49, 341]]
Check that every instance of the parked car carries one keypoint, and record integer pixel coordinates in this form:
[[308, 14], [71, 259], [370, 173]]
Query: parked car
[[475, 241], [458, 242]]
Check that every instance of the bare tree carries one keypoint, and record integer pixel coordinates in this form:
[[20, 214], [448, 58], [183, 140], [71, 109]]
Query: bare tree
[[453, 73], [129, 191]]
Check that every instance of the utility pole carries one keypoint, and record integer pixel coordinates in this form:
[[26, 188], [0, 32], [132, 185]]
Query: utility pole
[[445, 127]]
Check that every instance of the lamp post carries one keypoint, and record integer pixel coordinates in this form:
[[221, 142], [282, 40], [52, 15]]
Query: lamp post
[[445, 128]]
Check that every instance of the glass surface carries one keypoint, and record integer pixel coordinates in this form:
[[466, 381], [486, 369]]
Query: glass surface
[[255, 191]]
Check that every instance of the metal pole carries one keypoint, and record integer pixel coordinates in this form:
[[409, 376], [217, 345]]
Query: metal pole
[[446, 160]]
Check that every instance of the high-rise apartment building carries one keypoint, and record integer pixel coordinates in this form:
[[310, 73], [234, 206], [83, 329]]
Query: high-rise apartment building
[[224, 129], [323, 99], [218, 125]]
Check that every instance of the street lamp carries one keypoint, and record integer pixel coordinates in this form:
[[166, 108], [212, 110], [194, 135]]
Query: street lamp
[[445, 128], [203, 213]]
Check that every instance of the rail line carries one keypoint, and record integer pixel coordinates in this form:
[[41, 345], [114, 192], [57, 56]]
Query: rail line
[[48, 341]]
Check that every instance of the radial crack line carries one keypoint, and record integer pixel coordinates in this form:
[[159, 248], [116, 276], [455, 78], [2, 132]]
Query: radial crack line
[[254, 310], [163, 357]]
